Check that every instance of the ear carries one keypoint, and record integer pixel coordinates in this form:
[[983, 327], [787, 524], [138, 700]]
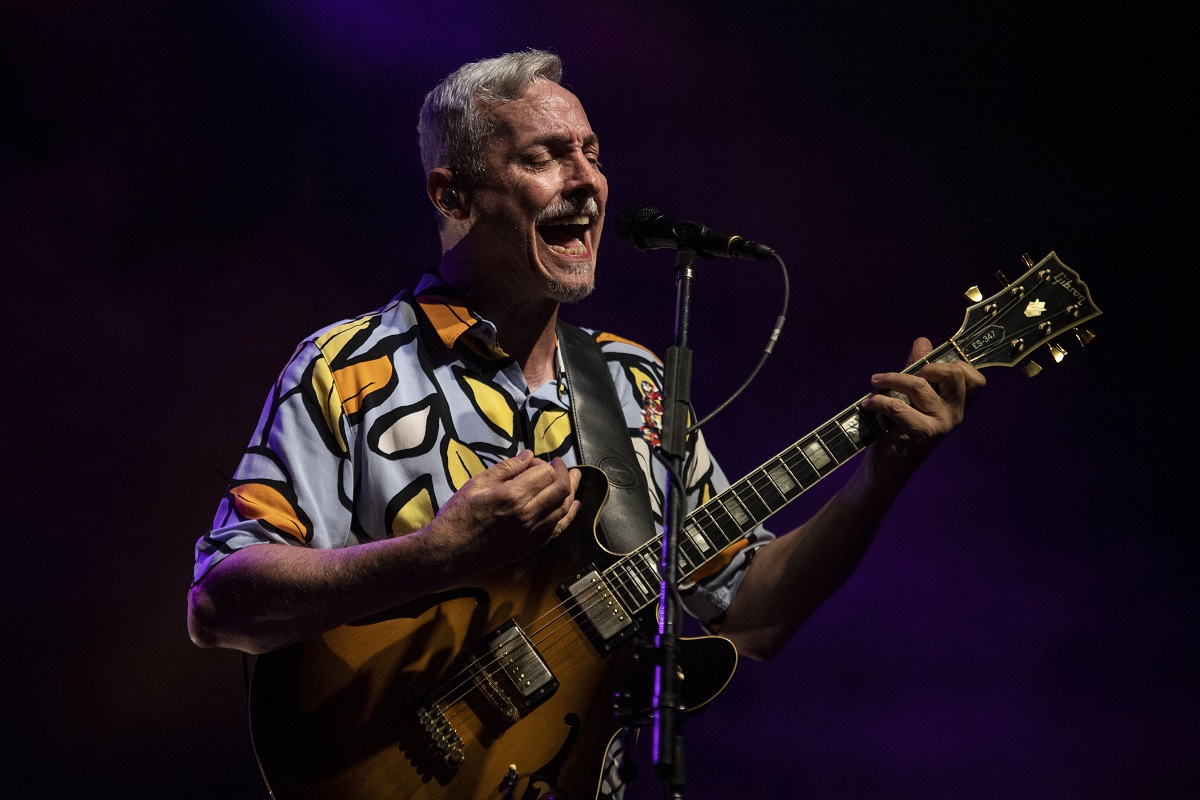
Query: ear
[[447, 198]]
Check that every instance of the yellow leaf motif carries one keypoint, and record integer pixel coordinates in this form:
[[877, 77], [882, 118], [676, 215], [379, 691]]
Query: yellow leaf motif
[[333, 340], [493, 404], [550, 431], [331, 407], [461, 463], [414, 514]]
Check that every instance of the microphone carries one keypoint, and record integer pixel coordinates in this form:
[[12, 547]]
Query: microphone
[[650, 229]]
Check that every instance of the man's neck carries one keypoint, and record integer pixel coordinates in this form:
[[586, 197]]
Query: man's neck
[[528, 335], [525, 328]]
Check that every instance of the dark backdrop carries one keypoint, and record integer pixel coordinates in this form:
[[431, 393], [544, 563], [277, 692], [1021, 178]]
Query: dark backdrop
[[191, 188]]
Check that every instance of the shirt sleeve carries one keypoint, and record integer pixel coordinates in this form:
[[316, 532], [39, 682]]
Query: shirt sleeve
[[293, 483]]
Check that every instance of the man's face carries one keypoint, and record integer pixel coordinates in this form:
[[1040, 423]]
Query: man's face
[[539, 208]]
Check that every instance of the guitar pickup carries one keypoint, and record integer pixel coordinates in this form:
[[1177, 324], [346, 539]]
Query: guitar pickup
[[522, 664], [608, 619]]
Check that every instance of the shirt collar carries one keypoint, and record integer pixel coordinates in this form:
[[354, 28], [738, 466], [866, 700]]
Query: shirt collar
[[446, 309]]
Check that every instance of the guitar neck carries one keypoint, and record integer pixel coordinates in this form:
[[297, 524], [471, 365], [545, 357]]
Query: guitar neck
[[750, 501], [1043, 303]]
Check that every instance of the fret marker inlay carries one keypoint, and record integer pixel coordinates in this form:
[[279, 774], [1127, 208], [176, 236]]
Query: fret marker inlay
[[781, 477], [693, 532], [817, 455], [738, 512], [851, 429]]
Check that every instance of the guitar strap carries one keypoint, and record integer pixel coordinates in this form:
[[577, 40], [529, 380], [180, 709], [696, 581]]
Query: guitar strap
[[602, 437]]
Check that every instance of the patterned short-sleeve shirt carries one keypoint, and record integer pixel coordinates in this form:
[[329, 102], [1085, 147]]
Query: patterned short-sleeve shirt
[[377, 420]]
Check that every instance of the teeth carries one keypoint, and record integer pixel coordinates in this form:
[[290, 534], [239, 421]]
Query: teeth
[[576, 249], [582, 219]]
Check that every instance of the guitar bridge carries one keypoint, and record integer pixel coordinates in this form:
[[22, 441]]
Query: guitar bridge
[[488, 687]]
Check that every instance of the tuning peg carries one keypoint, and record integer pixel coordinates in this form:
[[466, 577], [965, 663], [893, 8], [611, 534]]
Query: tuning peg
[[973, 294], [1031, 368], [1058, 351], [1000, 276], [1084, 337], [1026, 260]]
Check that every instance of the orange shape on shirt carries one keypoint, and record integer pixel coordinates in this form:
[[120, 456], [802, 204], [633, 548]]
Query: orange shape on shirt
[[356, 381], [262, 502]]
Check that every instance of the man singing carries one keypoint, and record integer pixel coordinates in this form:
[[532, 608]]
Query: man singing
[[428, 443]]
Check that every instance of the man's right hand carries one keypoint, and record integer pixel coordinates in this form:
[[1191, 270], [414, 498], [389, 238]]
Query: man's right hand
[[264, 597], [507, 512]]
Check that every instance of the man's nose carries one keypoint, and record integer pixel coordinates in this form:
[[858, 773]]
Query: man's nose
[[584, 177]]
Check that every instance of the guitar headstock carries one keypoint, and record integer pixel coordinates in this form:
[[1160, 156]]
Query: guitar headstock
[[1045, 302]]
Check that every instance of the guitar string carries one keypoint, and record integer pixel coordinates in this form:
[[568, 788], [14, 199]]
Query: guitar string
[[541, 640], [539, 637], [735, 491], [617, 578], [616, 581], [620, 577], [754, 483], [761, 479], [616, 575]]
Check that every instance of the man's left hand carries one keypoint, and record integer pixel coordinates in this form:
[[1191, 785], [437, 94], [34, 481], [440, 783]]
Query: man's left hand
[[938, 394]]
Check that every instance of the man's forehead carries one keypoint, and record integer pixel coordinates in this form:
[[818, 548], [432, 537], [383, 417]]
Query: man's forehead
[[546, 113]]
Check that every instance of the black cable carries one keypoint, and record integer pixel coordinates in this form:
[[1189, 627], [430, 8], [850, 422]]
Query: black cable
[[766, 351]]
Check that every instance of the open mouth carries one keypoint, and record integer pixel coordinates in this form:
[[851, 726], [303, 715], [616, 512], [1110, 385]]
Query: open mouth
[[566, 234]]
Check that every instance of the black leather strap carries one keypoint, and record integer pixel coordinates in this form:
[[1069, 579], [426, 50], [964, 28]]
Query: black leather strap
[[603, 441]]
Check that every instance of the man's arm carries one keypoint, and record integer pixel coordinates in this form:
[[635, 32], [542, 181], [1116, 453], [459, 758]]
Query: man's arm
[[791, 576], [263, 597]]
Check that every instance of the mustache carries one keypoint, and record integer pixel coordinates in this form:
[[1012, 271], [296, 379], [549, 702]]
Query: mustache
[[570, 208]]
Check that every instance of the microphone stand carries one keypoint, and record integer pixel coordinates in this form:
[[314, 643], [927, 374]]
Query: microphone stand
[[667, 707]]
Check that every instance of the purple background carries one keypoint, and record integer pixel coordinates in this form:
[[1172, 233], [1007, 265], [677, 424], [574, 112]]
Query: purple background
[[190, 189]]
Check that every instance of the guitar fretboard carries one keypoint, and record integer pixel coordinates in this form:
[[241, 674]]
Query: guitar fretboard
[[712, 527]]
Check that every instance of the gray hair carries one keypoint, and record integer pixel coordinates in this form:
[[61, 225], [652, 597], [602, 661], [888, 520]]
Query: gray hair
[[452, 127]]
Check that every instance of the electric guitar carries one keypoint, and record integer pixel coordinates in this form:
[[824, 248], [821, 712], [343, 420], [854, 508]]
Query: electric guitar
[[503, 687]]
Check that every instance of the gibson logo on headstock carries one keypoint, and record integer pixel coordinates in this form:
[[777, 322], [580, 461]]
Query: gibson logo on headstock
[[1067, 282]]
